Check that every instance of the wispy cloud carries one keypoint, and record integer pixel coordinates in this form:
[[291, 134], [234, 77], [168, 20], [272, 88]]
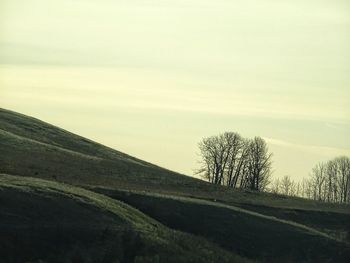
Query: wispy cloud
[[313, 149]]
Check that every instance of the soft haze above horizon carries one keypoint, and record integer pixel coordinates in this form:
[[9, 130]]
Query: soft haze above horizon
[[152, 78]]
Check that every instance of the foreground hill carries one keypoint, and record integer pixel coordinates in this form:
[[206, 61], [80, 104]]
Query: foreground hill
[[242, 231], [257, 225], [43, 221]]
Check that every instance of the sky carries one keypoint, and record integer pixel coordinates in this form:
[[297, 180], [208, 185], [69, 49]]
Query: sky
[[152, 78]]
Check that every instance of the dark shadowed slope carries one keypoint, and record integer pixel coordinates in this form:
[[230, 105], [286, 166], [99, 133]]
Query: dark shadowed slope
[[53, 222], [254, 235]]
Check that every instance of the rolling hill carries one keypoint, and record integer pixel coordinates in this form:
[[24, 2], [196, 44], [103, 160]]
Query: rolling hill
[[46, 151], [259, 226], [245, 232], [45, 221]]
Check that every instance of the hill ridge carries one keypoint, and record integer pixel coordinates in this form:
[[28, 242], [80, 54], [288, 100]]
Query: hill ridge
[[114, 153], [50, 145], [47, 221], [231, 207]]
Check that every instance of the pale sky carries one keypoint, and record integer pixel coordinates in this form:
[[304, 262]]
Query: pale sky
[[151, 78]]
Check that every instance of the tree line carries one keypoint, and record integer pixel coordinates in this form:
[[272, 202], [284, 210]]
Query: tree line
[[328, 182], [237, 162], [231, 160]]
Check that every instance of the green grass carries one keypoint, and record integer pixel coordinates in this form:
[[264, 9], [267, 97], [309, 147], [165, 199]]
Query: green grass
[[334, 224], [49, 152], [49, 221], [257, 225], [245, 232]]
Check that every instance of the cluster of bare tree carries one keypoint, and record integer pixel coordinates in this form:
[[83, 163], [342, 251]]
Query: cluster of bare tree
[[229, 159], [287, 186], [329, 182]]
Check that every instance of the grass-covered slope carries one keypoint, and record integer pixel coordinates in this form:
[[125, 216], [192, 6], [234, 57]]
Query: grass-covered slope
[[30, 147], [242, 231], [335, 224], [50, 152], [53, 222]]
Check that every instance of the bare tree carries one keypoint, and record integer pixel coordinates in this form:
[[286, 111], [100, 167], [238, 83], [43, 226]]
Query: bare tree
[[228, 159], [276, 186], [344, 178], [318, 176], [306, 188], [259, 164], [219, 155], [232, 160], [238, 156], [330, 181], [286, 185], [210, 162]]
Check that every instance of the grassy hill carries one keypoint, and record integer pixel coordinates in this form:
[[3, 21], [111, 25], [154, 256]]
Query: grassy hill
[[257, 225], [254, 235], [46, 151], [45, 221]]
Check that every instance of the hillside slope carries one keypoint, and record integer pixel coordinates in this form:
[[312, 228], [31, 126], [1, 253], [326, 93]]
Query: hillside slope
[[30, 147], [252, 234], [33, 148], [60, 146], [52, 222]]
